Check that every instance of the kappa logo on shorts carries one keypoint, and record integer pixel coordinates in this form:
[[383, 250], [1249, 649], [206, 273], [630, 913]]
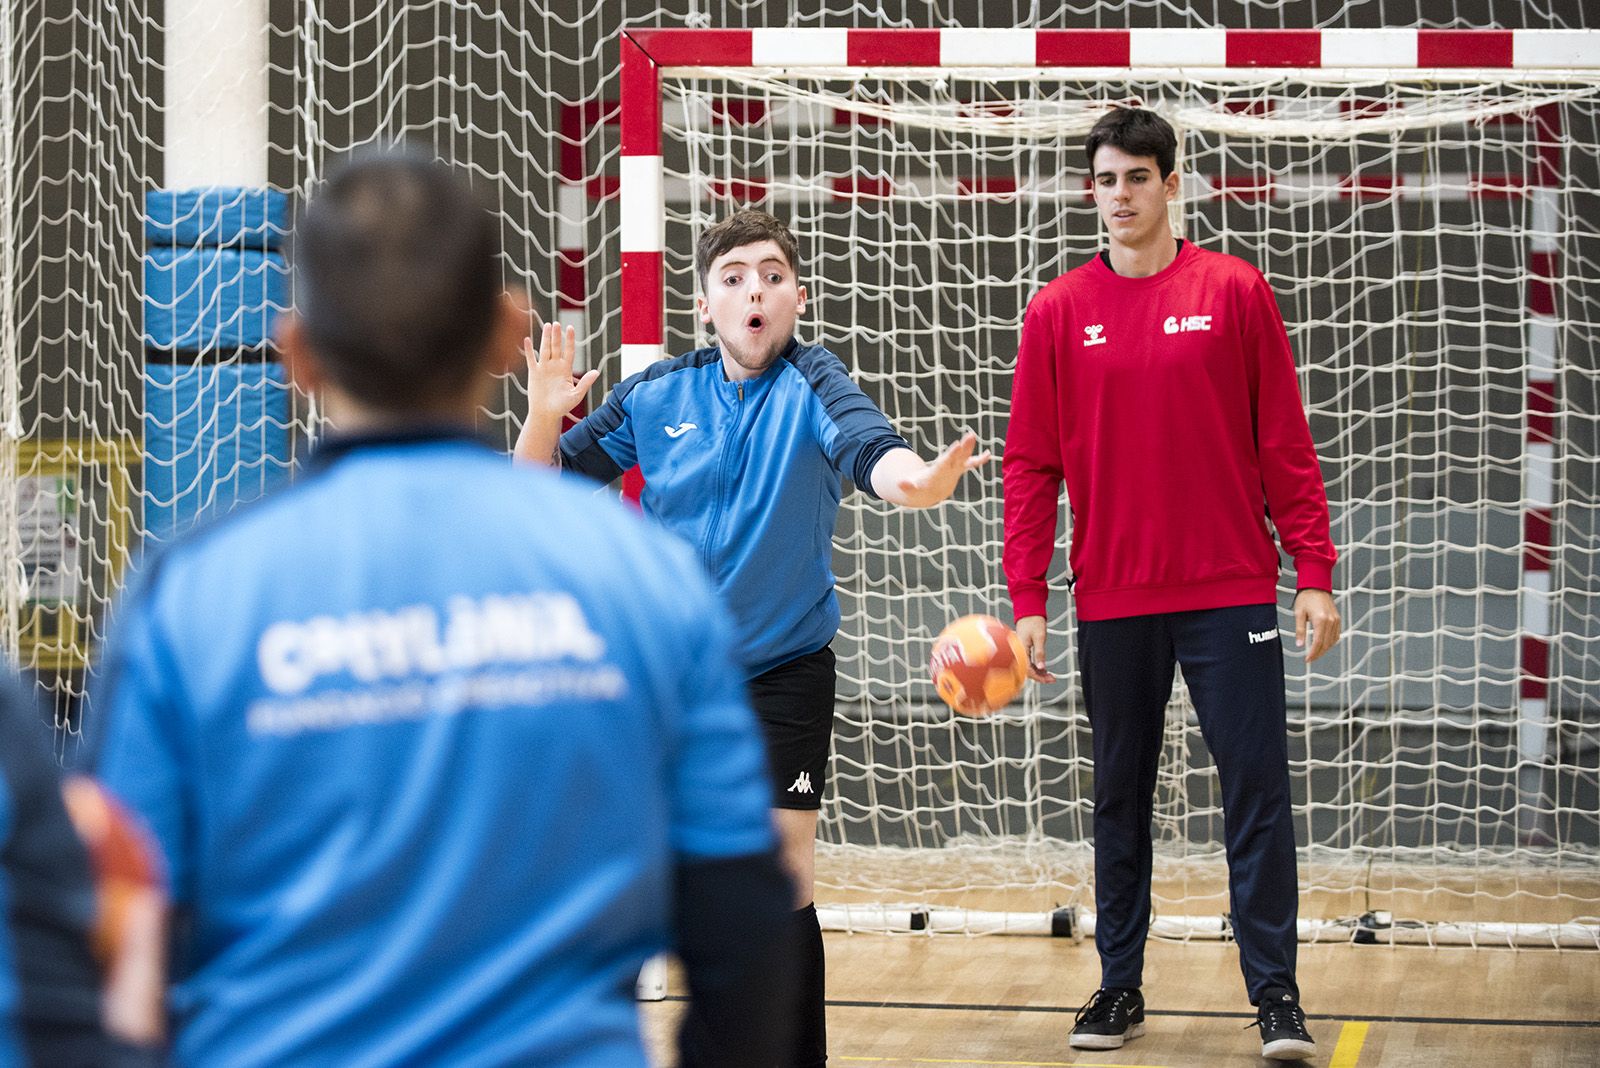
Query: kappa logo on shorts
[[680, 430], [1257, 637], [1095, 333], [801, 784]]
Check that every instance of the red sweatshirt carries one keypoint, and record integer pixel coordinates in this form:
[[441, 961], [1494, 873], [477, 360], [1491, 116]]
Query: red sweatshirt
[[1169, 405]]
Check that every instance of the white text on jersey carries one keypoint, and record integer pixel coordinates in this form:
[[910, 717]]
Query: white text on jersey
[[1257, 637], [1175, 325], [420, 640], [1094, 333]]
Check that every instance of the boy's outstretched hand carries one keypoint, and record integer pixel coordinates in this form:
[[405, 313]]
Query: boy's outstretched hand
[[902, 477]]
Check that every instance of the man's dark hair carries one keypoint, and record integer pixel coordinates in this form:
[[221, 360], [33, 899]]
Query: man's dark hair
[[397, 278], [1138, 133], [744, 227]]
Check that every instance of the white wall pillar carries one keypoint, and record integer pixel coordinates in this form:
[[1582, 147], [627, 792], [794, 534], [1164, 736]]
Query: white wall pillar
[[216, 93]]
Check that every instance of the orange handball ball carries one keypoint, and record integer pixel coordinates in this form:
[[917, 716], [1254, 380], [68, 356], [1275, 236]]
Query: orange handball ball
[[978, 665]]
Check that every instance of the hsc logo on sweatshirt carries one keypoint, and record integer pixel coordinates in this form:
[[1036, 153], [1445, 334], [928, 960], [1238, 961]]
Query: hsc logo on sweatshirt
[[1177, 325]]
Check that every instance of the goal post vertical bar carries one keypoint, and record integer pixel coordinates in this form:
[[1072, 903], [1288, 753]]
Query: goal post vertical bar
[[643, 209], [1548, 170], [643, 230], [572, 245]]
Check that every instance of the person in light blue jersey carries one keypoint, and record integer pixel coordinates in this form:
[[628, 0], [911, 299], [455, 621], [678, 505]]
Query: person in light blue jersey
[[438, 751]]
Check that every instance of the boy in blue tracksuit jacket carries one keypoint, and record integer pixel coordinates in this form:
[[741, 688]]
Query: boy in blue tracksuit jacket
[[744, 447], [431, 784]]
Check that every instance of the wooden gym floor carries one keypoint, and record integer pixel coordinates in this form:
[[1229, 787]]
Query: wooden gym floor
[[913, 1001]]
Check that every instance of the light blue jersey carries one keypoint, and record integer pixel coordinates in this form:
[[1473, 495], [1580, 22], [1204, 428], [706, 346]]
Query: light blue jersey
[[422, 738]]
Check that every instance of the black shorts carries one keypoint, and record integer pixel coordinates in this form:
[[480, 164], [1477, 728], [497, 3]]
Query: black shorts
[[794, 703]]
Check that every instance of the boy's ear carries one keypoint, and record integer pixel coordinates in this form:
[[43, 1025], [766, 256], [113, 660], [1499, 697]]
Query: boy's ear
[[299, 361], [512, 315], [800, 309], [703, 308]]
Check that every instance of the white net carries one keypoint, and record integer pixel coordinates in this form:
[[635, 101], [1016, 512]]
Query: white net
[[1402, 227], [73, 164], [138, 393], [929, 212]]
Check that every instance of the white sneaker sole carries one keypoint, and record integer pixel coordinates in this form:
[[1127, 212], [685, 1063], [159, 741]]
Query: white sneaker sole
[[1289, 1049], [1077, 1041]]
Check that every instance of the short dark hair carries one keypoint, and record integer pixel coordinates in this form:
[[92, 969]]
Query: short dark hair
[[746, 226], [397, 278], [1138, 133]]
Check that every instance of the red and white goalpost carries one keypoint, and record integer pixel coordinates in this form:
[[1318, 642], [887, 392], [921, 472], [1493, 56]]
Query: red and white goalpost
[[1423, 203]]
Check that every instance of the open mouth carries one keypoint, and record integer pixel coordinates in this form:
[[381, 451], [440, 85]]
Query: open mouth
[[755, 322]]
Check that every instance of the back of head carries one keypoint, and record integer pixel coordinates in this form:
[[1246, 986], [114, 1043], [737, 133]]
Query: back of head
[[1138, 133], [397, 279], [747, 226]]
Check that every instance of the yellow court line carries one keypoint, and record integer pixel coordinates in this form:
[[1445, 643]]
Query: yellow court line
[[1351, 1038], [989, 1064]]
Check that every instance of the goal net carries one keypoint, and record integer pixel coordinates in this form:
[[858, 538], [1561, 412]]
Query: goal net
[[1431, 241], [1431, 235]]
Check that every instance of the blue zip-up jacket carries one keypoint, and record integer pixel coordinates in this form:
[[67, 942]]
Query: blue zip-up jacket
[[750, 474]]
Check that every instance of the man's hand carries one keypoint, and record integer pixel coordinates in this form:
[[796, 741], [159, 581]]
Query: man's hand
[[901, 477], [1314, 611], [552, 391], [1031, 629]]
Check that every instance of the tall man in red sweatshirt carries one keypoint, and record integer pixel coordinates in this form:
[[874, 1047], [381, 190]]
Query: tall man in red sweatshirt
[[1157, 381]]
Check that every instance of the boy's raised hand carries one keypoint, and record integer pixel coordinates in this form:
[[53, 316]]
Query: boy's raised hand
[[552, 390]]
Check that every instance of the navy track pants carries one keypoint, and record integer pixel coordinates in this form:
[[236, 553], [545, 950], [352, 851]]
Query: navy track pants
[[1232, 661]]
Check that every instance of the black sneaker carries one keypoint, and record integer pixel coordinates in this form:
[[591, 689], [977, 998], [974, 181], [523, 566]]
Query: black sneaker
[[1283, 1027], [1112, 1016]]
